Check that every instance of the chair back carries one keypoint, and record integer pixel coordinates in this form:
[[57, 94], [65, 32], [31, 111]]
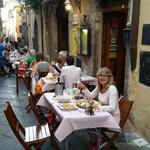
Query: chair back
[[27, 85], [125, 106], [37, 112], [15, 125]]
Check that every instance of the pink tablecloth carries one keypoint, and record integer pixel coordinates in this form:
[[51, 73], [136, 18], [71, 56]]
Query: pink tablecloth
[[76, 119]]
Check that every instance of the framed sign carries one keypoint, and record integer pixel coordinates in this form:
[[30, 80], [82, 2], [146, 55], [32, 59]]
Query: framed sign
[[146, 34], [144, 76], [85, 41]]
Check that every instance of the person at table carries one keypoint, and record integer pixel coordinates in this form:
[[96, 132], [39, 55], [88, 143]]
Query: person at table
[[70, 73], [1, 47], [7, 65], [60, 62], [106, 92], [41, 66], [58, 66], [22, 68], [61, 55], [32, 57]]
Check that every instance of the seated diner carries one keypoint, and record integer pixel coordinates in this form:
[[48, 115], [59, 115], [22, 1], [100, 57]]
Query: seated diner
[[70, 73], [106, 92]]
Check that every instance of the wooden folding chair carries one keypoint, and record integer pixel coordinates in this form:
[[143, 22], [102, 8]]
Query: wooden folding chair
[[27, 85], [49, 118], [29, 137], [37, 111], [125, 106], [18, 77], [42, 118], [33, 99], [30, 94]]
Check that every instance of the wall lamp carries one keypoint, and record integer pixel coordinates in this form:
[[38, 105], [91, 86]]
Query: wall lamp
[[68, 6], [127, 34]]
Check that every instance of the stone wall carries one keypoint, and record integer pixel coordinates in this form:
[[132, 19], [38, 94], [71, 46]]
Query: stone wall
[[139, 92], [50, 30], [93, 9]]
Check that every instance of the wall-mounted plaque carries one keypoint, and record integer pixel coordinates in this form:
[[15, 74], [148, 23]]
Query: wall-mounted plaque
[[146, 34], [144, 76]]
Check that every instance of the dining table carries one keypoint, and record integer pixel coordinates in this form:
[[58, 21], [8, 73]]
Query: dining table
[[76, 119], [49, 83]]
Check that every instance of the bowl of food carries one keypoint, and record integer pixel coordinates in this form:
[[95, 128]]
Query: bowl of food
[[84, 103], [62, 98], [74, 92], [79, 97]]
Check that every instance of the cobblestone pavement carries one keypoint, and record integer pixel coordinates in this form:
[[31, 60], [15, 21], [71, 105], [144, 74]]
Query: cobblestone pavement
[[126, 141]]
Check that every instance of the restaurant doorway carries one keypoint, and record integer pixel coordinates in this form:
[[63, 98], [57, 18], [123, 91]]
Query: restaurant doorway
[[113, 49], [62, 27]]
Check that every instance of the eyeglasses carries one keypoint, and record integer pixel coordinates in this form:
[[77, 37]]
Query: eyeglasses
[[104, 76]]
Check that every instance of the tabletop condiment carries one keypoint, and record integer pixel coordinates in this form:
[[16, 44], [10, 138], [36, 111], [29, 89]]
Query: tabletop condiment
[[59, 88], [89, 110]]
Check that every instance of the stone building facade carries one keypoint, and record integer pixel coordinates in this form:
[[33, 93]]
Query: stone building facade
[[139, 91], [1, 5], [106, 19]]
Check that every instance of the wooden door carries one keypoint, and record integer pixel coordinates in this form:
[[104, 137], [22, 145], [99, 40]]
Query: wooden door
[[113, 50]]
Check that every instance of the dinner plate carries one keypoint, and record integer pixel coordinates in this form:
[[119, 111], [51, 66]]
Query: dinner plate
[[84, 103], [67, 106], [62, 99]]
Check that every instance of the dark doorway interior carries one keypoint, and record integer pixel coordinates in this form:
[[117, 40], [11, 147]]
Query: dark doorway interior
[[35, 39], [62, 22]]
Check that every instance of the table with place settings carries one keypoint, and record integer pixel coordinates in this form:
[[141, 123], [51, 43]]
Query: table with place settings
[[76, 119], [49, 84]]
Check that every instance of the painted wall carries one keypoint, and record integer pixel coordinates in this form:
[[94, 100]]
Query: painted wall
[[92, 9], [88, 7], [139, 92]]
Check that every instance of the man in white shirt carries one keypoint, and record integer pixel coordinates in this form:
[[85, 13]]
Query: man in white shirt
[[70, 74]]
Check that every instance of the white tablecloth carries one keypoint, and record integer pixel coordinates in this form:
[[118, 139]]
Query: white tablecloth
[[91, 80], [72, 120], [50, 84]]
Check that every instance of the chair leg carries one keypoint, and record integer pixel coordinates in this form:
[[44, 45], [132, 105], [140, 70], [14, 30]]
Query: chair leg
[[110, 142], [28, 108], [38, 145], [54, 142]]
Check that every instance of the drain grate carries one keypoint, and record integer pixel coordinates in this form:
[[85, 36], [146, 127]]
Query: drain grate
[[140, 142]]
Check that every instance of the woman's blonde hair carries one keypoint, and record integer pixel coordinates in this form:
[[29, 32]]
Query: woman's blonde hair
[[105, 71]]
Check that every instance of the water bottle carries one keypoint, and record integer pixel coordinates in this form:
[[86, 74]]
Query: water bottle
[[59, 88]]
